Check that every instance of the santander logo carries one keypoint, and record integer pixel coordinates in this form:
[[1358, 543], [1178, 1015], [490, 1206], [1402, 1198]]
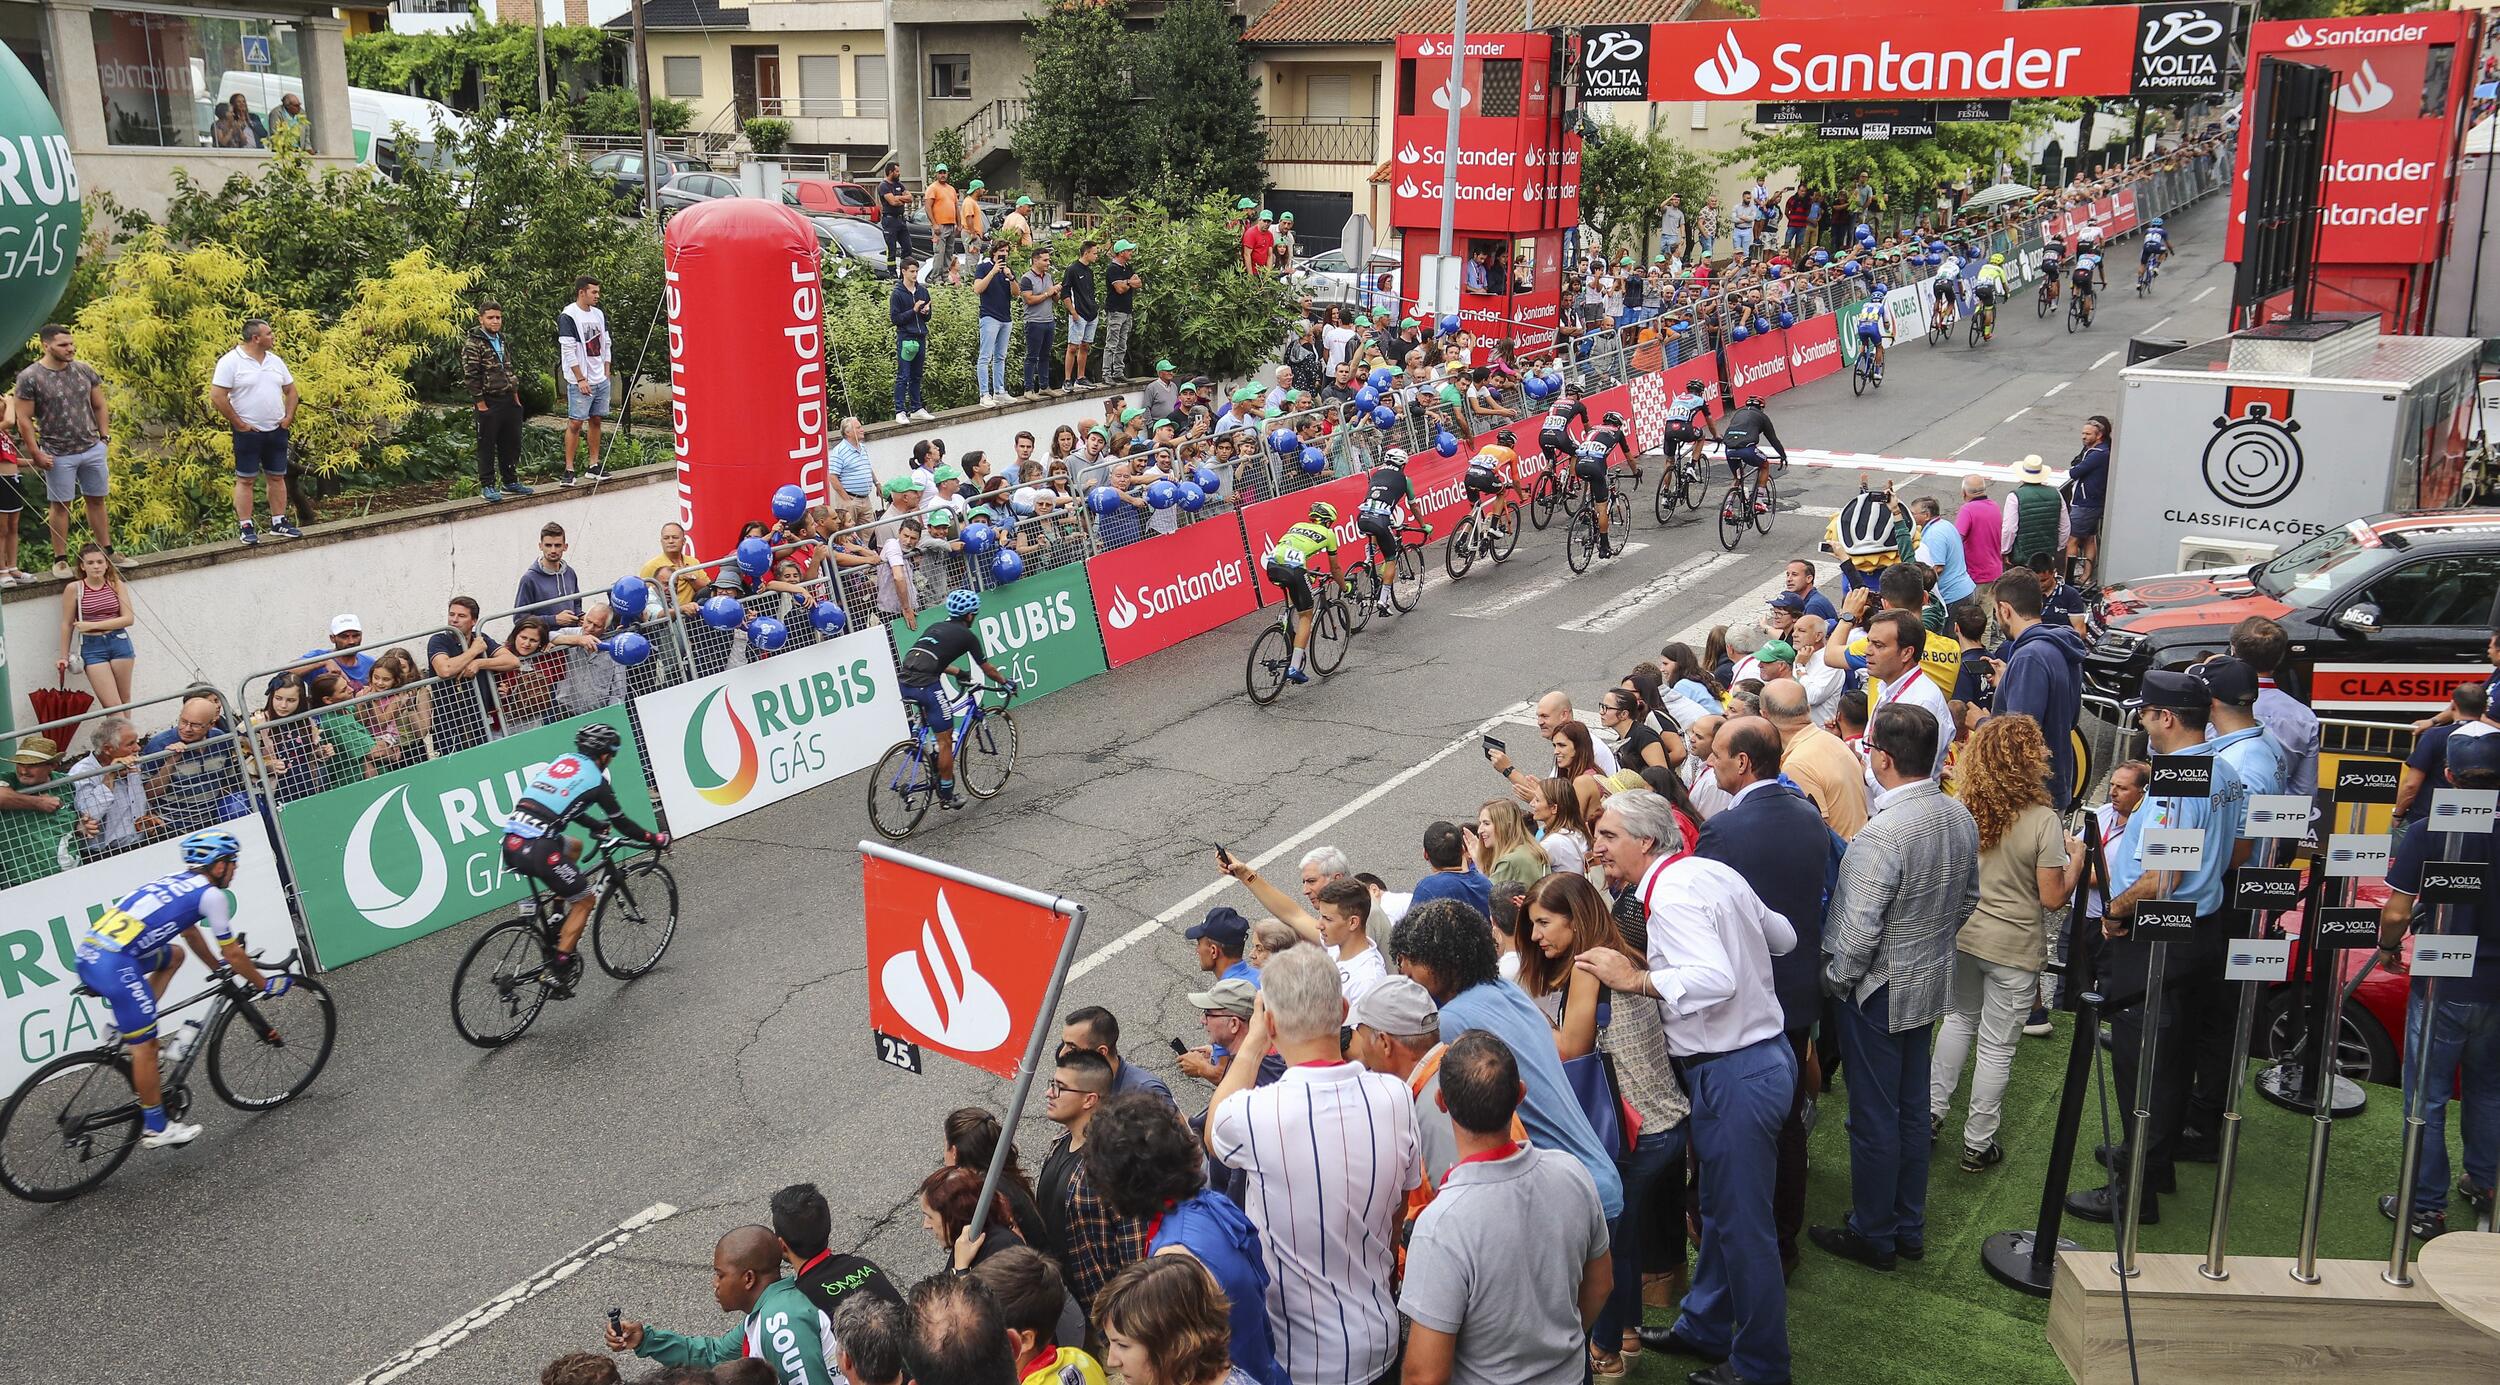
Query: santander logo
[[2363, 92], [2397, 32], [1800, 357], [1727, 71], [1149, 602], [938, 993], [1763, 370], [1123, 612], [1441, 97]]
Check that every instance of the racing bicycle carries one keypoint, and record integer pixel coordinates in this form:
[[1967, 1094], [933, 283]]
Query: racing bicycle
[[1405, 589], [1738, 509], [73, 1123], [904, 786], [1940, 322], [1679, 483], [2078, 311], [2048, 290], [510, 972], [1481, 533], [1862, 372], [1272, 652], [1557, 485], [2145, 275], [1983, 323]]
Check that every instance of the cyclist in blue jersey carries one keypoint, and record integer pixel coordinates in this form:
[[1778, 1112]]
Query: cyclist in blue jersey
[[2156, 249], [1874, 328], [535, 843], [1688, 422], [2087, 264], [127, 957], [935, 654]]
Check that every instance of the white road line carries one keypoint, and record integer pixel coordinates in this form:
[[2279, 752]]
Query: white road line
[[2057, 389], [2106, 358], [460, 1329], [2158, 325], [1195, 899], [2018, 413], [1965, 447], [1618, 611], [1512, 600], [2201, 297], [1905, 466], [1742, 608], [1816, 511]]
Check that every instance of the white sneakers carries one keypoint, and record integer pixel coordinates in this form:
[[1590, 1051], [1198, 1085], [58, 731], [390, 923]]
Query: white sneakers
[[174, 1133], [922, 416], [902, 418]]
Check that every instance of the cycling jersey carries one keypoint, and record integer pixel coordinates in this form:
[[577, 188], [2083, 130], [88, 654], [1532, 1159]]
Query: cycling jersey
[[1295, 547], [559, 794], [1992, 278], [943, 645], [2088, 237], [153, 915], [1567, 411], [1492, 469], [2154, 244], [1871, 319], [2085, 264], [1388, 489], [1747, 429], [1684, 407]]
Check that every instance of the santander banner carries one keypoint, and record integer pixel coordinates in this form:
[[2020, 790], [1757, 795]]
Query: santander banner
[[1813, 349], [1757, 365], [1155, 594], [1262, 522], [1981, 55], [1508, 180]]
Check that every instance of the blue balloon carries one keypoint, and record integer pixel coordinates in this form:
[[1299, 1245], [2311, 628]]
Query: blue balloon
[[979, 538], [1533, 386], [1006, 565], [1788, 319], [1284, 441], [1162, 495], [628, 597], [1446, 444], [1849, 270], [1449, 324], [828, 618], [724, 613], [1384, 416], [1761, 324], [629, 649], [1102, 500], [1193, 497], [1864, 231], [755, 556], [1738, 332], [1314, 461], [1380, 377], [767, 634], [789, 504], [1367, 398], [1775, 271], [1208, 483]]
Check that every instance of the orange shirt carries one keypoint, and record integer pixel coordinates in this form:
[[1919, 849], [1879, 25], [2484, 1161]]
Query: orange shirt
[[942, 199], [971, 219]]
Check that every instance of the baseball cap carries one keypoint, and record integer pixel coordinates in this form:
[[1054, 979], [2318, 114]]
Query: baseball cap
[[1244, 204], [343, 623], [1122, 247], [1131, 414], [941, 168], [1024, 201], [2473, 749], [1788, 601], [1160, 366], [1407, 322], [941, 517], [1245, 394], [900, 484], [1776, 652], [1223, 923], [2172, 691], [36, 750], [1265, 215], [1286, 217], [2231, 681], [946, 473], [1396, 1006], [1233, 997], [976, 186]]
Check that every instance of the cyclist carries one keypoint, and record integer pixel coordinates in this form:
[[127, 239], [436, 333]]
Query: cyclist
[[1748, 429], [1874, 326], [536, 845], [1495, 473], [1597, 451], [1288, 564], [1992, 289], [2156, 250], [2087, 263], [2088, 242], [1948, 289], [1377, 518], [2052, 267], [935, 654], [127, 957], [1554, 435], [1688, 422]]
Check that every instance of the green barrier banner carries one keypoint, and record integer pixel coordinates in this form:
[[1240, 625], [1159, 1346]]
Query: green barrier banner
[[1845, 325], [389, 860], [1039, 630]]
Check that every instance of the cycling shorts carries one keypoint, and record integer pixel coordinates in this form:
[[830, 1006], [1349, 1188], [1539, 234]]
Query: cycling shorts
[[2153, 251], [1482, 480], [1870, 331], [1382, 530], [1556, 443], [1593, 471], [2083, 279], [1986, 292], [930, 698], [545, 860], [1294, 582], [1683, 431], [121, 979], [1737, 457]]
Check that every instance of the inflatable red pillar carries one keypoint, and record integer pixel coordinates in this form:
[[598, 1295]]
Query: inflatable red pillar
[[746, 364]]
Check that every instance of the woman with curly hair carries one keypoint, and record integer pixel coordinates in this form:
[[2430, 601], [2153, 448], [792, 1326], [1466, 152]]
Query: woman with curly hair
[[1163, 1321], [2027, 870]]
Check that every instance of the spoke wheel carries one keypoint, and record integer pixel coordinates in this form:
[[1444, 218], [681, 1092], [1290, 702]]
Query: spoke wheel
[[1270, 654], [1459, 554], [2074, 313], [1362, 596], [1770, 505], [1330, 637], [501, 985], [2045, 302], [636, 919], [1733, 521], [1696, 491], [1543, 497], [900, 791], [988, 757], [1580, 541], [1407, 587], [1978, 322], [69, 1127], [266, 1051], [1861, 371], [1505, 535]]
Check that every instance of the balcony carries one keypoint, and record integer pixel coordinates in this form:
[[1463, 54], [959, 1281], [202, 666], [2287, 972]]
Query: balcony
[[1322, 139], [846, 120]]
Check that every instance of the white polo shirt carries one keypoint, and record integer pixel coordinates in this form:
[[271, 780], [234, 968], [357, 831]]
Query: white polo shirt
[[257, 389]]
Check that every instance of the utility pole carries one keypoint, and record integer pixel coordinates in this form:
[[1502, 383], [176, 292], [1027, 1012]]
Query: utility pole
[[1455, 99], [650, 137], [538, 21]]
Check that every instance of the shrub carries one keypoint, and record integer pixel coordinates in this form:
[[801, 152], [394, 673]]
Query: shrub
[[768, 136]]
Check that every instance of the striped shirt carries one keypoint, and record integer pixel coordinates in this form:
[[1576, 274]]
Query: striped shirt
[[1330, 1151]]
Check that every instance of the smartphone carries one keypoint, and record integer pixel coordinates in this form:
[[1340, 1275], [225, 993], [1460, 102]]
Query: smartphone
[[1491, 746], [616, 1321], [1222, 857], [1178, 1047]]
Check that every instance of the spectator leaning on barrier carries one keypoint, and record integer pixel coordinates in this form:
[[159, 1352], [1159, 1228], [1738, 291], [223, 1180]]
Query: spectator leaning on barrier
[[549, 579], [592, 677], [854, 478], [675, 572], [37, 820], [254, 389], [584, 353], [462, 650], [198, 782], [67, 427], [486, 363], [111, 793]]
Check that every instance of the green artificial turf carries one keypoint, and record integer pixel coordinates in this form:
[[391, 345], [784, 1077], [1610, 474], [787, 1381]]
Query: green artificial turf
[[1946, 1321]]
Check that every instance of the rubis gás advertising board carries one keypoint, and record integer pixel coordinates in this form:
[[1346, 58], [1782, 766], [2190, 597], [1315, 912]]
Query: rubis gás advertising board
[[726, 745], [1039, 630]]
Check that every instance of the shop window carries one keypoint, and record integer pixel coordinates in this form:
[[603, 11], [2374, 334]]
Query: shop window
[[178, 81]]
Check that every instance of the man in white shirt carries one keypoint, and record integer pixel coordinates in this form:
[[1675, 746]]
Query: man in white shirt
[[256, 392], [584, 352], [1894, 642], [1821, 681], [1330, 1149], [1710, 947]]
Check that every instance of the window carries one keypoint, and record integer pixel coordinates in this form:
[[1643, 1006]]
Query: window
[[1503, 80], [21, 32], [681, 78], [170, 81], [950, 76], [820, 85], [2451, 590], [1332, 96], [868, 84]]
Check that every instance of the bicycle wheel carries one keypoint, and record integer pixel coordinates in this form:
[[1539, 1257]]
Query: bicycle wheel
[[266, 1050], [501, 985], [1362, 597], [1543, 497], [1977, 322], [1407, 587], [1504, 539], [987, 759], [636, 918], [1574, 494], [2044, 301], [1696, 491], [1270, 654], [1330, 637], [1861, 371], [2083, 764], [900, 791], [1662, 501], [1770, 505], [1938, 329], [2074, 312], [1580, 540], [69, 1126], [1733, 521], [1459, 554]]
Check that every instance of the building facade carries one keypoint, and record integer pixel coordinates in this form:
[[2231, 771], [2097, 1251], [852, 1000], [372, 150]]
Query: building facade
[[820, 64]]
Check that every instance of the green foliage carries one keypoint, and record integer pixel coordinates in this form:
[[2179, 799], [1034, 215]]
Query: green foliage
[[1203, 116], [1080, 132], [1905, 172], [1625, 178], [766, 135], [617, 111], [504, 58], [1196, 306], [946, 146]]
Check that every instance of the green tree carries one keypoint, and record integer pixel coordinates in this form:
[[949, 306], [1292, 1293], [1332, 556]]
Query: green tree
[[1625, 178], [1904, 172], [946, 146], [1080, 130], [1202, 119], [503, 58]]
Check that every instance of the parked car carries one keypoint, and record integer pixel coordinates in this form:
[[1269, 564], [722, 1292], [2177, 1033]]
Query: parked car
[[622, 170], [2369, 1042], [1329, 278], [695, 186], [852, 246], [832, 197]]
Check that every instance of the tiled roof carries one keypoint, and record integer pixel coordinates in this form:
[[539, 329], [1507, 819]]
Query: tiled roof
[[1381, 21], [681, 14]]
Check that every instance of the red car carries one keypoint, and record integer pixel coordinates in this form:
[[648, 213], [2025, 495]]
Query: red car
[[2370, 1042], [832, 197]]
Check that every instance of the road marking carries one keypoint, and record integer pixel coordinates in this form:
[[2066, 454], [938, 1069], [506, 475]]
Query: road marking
[[1191, 903], [1815, 511], [2057, 389], [2208, 290], [2106, 358], [1906, 466], [2157, 326], [1741, 609], [468, 1324], [1618, 611], [1512, 600], [1965, 447], [2018, 413]]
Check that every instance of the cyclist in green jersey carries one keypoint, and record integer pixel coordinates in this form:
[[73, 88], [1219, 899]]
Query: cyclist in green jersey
[[1288, 565]]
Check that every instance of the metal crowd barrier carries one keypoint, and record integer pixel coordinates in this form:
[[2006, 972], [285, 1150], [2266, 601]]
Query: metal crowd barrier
[[111, 793]]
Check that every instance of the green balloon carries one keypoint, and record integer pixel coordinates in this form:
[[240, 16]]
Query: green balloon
[[40, 219]]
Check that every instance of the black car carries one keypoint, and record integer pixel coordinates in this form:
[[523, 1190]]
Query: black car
[[622, 171], [2387, 616]]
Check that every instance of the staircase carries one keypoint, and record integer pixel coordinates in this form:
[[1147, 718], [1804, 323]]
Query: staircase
[[991, 130]]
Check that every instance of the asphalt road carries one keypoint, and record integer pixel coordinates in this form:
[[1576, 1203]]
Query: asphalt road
[[425, 1184]]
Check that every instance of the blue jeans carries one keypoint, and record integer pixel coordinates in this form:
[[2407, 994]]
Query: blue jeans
[[1739, 1299], [1887, 1076], [989, 370], [2467, 1035], [1657, 1155], [907, 375], [1037, 339]]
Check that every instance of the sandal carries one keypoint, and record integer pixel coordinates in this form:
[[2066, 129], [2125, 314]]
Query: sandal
[[1631, 1342], [1605, 1367]]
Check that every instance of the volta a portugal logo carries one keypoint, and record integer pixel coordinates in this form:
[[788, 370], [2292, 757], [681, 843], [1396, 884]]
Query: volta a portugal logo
[[716, 787]]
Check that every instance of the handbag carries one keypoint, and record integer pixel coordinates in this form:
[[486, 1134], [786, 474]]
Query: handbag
[[1595, 1086]]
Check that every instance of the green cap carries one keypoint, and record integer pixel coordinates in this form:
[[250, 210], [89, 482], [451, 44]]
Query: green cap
[[1661, 259], [1286, 217], [900, 484], [1397, 370], [1122, 247], [1131, 414], [976, 185], [1776, 652], [1272, 411], [941, 168], [1244, 204], [910, 348], [941, 517], [1265, 215], [1245, 394], [1362, 322], [946, 473], [1624, 261], [1159, 365], [1407, 322], [1024, 202]]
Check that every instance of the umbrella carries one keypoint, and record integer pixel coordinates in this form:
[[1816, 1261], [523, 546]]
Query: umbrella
[[61, 704], [1996, 196]]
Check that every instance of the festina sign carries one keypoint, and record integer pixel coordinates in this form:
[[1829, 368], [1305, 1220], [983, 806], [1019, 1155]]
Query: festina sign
[[1788, 113], [2085, 51], [1889, 120]]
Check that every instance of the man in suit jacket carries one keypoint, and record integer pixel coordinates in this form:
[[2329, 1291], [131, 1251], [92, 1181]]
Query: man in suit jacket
[[1910, 879], [1776, 838]]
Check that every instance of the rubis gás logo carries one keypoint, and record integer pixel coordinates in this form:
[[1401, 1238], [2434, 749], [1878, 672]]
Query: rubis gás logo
[[938, 992], [384, 905], [1727, 71], [716, 711]]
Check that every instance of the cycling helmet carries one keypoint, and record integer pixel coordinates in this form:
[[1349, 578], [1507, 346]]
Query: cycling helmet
[[598, 738], [1506, 438], [1324, 512], [962, 601], [1395, 456], [1614, 418], [1753, 401], [1692, 387], [208, 848], [2156, 221], [1864, 526], [1996, 259]]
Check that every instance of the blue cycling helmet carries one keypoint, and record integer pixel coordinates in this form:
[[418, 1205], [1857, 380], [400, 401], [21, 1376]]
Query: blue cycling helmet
[[2156, 221], [962, 601], [208, 848]]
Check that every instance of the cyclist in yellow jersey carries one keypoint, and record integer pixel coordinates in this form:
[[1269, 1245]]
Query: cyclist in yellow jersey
[[1992, 288], [1288, 563]]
